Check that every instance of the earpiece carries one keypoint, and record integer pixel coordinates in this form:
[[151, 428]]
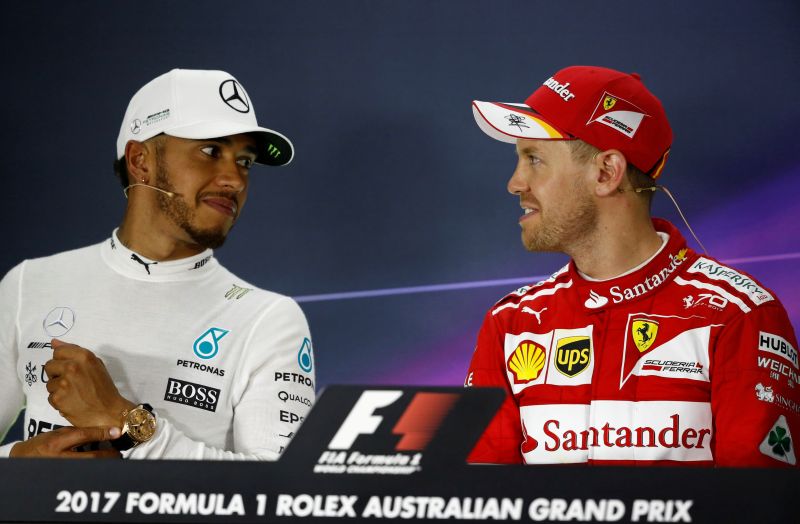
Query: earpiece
[[168, 193]]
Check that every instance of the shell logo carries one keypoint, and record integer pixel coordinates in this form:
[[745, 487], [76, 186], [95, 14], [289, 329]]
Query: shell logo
[[526, 362]]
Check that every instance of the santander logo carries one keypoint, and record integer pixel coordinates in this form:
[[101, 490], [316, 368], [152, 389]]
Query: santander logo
[[651, 282], [595, 300], [673, 435], [610, 430]]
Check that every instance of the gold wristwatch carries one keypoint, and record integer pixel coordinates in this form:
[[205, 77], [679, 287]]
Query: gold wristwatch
[[138, 426]]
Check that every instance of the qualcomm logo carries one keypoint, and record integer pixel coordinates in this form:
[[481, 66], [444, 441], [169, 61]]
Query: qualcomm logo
[[304, 358], [595, 300], [207, 345]]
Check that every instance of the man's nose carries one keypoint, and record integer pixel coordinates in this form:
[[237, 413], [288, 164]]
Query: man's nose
[[231, 177], [517, 184]]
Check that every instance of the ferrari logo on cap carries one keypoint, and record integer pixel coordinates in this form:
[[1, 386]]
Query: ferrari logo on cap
[[608, 102], [644, 334]]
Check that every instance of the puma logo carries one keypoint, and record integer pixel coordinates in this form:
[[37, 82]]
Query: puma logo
[[146, 265], [537, 314]]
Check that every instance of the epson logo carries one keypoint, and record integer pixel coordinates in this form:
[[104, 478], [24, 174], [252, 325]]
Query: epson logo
[[191, 394]]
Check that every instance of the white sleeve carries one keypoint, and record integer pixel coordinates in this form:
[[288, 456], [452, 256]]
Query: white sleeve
[[279, 345], [12, 398]]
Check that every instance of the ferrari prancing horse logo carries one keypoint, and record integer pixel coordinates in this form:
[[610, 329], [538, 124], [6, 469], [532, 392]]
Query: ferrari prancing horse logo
[[608, 102], [644, 334]]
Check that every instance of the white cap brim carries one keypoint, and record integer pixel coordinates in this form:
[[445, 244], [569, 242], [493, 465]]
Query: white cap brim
[[274, 148], [509, 122]]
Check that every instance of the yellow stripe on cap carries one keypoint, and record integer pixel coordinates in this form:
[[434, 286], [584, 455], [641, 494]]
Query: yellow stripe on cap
[[551, 131], [660, 167]]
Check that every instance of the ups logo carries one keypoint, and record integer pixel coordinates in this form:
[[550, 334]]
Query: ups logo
[[573, 355]]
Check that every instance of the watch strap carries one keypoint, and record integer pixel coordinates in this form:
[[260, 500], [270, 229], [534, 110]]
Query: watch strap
[[123, 443]]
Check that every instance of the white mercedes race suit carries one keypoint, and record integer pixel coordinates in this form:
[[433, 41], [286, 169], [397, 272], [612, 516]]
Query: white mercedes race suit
[[227, 367]]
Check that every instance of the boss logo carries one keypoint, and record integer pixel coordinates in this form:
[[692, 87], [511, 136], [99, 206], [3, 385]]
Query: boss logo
[[191, 394]]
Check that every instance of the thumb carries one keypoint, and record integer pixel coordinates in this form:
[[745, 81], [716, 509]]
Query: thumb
[[56, 343]]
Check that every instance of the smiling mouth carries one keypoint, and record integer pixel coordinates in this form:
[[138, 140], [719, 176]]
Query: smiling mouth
[[223, 205], [528, 212]]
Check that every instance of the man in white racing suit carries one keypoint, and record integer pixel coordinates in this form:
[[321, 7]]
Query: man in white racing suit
[[144, 341]]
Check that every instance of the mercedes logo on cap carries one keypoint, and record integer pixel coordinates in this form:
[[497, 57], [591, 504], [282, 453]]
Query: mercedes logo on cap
[[59, 321], [136, 126], [233, 94]]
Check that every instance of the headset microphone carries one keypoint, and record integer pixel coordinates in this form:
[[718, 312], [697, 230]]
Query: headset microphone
[[168, 193]]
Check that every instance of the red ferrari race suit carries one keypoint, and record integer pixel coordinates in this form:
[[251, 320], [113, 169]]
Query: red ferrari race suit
[[681, 361]]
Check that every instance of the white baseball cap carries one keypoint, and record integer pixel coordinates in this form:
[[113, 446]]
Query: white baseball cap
[[197, 104]]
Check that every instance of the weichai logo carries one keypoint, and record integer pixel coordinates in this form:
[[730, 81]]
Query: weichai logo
[[526, 362], [416, 426]]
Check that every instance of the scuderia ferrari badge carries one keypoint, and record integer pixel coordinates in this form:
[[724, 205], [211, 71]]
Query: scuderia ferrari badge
[[644, 334]]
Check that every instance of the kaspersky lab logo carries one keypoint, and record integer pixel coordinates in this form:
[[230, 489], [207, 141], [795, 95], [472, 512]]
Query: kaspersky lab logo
[[207, 345]]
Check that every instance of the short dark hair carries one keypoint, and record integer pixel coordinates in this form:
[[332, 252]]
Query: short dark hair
[[583, 152], [121, 170]]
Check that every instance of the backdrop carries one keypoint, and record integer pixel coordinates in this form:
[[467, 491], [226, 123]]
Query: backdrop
[[393, 226]]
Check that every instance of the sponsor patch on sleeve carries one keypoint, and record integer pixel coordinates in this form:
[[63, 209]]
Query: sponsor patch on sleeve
[[740, 282], [777, 346], [777, 443]]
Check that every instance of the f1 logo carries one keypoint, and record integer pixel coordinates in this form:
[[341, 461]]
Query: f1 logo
[[417, 425], [361, 419]]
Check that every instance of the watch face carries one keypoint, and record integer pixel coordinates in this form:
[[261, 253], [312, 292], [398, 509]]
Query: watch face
[[141, 424]]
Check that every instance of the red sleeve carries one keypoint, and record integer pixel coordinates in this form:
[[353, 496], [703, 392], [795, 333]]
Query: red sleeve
[[755, 395], [500, 443]]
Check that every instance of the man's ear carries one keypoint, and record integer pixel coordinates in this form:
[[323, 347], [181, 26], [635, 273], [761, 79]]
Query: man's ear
[[138, 160], [611, 168]]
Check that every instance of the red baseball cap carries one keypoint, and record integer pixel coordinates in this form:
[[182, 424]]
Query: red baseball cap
[[603, 107]]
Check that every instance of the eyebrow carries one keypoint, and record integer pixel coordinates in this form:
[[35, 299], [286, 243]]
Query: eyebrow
[[528, 149], [224, 140]]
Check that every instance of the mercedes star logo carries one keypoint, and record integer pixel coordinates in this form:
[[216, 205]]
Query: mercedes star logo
[[233, 94], [59, 321], [136, 126]]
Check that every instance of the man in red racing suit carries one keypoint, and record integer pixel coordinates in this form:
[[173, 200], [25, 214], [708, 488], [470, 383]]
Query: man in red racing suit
[[660, 356]]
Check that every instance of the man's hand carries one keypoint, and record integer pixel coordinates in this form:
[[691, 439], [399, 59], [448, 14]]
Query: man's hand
[[81, 389], [61, 443]]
